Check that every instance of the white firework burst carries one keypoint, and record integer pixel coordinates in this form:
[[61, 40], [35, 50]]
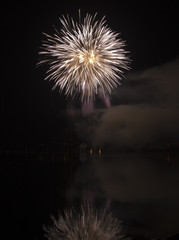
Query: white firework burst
[[88, 224], [84, 56]]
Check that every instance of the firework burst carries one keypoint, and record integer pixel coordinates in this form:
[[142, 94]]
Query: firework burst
[[88, 224], [84, 57]]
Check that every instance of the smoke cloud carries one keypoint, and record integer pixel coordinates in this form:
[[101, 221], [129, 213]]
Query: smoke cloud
[[145, 110]]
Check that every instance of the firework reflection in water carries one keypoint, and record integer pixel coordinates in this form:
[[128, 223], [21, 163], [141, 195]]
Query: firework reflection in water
[[87, 224]]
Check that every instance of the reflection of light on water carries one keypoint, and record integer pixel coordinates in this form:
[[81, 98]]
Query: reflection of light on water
[[86, 152], [172, 158], [91, 152], [168, 158], [99, 152]]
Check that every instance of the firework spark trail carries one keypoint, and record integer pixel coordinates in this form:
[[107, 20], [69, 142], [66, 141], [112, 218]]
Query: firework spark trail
[[105, 98], [87, 107], [88, 224], [83, 57]]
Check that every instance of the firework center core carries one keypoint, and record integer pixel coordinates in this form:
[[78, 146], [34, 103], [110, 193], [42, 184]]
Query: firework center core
[[87, 57]]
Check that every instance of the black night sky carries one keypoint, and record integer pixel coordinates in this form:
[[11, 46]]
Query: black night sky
[[34, 117]]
